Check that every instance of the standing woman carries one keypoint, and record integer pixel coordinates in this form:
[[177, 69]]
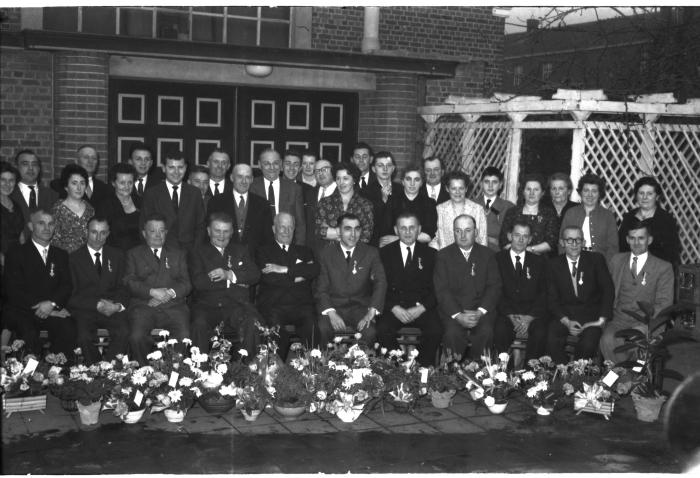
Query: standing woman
[[457, 183], [560, 188], [12, 219], [73, 213], [598, 223], [666, 244], [345, 198], [544, 225], [122, 208]]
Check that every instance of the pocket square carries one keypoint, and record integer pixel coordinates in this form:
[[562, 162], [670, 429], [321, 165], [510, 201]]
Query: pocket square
[[298, 261]]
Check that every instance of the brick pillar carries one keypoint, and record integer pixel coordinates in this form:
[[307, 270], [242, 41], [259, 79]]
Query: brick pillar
[[388, 119], [80, 106]]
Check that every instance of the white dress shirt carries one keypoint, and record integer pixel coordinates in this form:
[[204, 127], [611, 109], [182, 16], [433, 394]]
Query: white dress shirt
[[276, 189], [330, 189], [170, 191], [24, 189]]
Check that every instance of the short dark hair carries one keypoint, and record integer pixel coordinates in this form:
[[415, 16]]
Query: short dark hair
[[71, 169], [26, 151], [349, 216], [414, 169], [292, 152], [88, 146], [647, 181], [521, 223], [433, 158], [407, 215], [155, 216], [175, 155], [99, 218], [362, 145], [121, 168], [560, 177], [592, 179], [309, 152], [352, 170], [457, 176], [198, 168], [219, 217], [531, 177], [641, 224], [6, 167], [218, 151], [140, 145], [492, 171], [384, 154]]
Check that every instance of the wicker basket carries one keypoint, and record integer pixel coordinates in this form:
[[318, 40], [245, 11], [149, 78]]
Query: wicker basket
[[606, 409], [23, 404]]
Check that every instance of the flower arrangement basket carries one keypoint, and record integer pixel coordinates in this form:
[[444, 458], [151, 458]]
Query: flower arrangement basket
[[604, 408], [23, 404], [215, 403]]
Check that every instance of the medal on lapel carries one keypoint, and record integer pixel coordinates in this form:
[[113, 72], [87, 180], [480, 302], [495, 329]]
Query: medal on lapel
[[228, 263], [51, 270], [420, 264], [527, 273], [644, 278], [167, 266], [109, 265], [580, 278], [473, 270], [354, 267]]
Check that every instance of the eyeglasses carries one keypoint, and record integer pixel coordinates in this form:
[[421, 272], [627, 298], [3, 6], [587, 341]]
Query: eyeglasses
[[571, 241], [325, 169]]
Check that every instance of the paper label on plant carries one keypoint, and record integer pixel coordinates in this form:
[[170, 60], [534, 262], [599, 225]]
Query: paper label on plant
[[30, 367], [125, 359], [173, 379], [610, 378], [138, 398], [423, 375], [637, 369]]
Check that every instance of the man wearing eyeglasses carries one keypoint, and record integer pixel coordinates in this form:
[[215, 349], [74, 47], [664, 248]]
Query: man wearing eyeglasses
[[325, 186], [580, 297]]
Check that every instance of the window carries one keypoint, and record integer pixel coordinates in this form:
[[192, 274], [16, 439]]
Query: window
[[546, 71], [255, 26], [517, 75]]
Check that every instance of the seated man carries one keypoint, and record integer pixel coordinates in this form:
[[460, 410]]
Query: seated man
[[158, 280], [285, 295], [36, 288], [99, 293], [522, 310], [352, 284], [638, 276], [410, 299], [222, 272], [580, 297], [468, 287]]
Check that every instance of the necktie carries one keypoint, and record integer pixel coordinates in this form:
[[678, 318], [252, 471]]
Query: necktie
[[140, 187], [284, 247], [241, 203], [176, 199], [518, 266], [347, 258], [32, 198], [363, 183], [98, 263], [574, 272], [323, 193], [155, 253], [88, 190], [409, 257], [271, 198], [634, 267], [45, 254], [488, 205], [433, 194], [216, 189]]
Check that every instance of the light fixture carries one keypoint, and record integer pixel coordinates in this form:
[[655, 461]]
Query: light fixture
[[259, 71]]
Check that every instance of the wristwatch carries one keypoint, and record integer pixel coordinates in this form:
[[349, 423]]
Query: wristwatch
[[55, 306]]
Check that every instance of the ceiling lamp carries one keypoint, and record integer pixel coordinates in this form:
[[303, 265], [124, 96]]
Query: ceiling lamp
[[258, 71]]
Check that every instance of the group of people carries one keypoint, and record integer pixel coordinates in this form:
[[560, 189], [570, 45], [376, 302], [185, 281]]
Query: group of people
[[329, 248]]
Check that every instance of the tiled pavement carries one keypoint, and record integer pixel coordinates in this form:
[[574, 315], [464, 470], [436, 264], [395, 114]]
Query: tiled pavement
[[464, 437]]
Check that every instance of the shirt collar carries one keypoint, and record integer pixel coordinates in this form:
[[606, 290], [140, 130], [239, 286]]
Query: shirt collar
[[93, 251], [345, 250], [40, 248], [170, 185], [513, 254]]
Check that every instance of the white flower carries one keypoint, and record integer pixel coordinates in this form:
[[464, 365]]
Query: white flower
[[163, 333], [532, 391], [138, 379], [321, 395], [337, 340], [316, 353], [487, 382], [383, 350], [161, 345], [188, 361], [489, 401], [253, 367], [358, 336], [197, 392], [414, 353], [479, 374], [503, 357], [172, 341], [243, 352], [155, 355], [312, 407], [222, 368], [174, 395], [77, 351], [478, 393], [501, 377], [186, 341], [194, 350], [529, 375], [185, 382], [228, 390], [212, 379]]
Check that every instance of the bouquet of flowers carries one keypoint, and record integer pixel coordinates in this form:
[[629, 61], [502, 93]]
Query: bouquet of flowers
[[133, 387], [323, 378], [22, 375], [178, 392], [490, 381], [267, 360], [291, 387], [441, 379], [251, 393], [401, 378], [87, 385], [545, 383], [216, 379], [358, 383]]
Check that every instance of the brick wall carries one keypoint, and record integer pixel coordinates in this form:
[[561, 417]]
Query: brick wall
[[10, 19], [81, 106], [26, 105]]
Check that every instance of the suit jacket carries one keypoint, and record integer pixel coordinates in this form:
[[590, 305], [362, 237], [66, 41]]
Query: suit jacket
[[144, 272], [525, 294], [595, 289], [100, 191], [494, 218], [236, 258], [45, 200], [223, 186], [153, 178], [186, 225], [466, 285], [310, 197], [361, 282], [373, 192], [28, 281], [257, 229], [408, 285], [655, 278], [290, 201], [372, 179], [89, 286], [422, 206], [443, 195], [281, 289]]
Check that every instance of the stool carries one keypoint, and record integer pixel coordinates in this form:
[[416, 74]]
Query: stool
[[408, 338], [517, 350], [102, 340], [570, 346]]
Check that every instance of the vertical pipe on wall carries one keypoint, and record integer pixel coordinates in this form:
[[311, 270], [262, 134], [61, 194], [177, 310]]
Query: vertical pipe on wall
[[370, 40]]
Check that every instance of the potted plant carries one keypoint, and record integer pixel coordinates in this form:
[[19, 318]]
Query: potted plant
[[290, 391], [251, 394], [132, 390], [216, 381], [401, 378], [23, 380], [88, 386], [650, 347], [442, 386], [493, 382]]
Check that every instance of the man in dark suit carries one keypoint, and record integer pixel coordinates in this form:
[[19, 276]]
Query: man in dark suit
[[218, 164], [410, 298], [179, 202], [522, 310], [29, 193], [495, 206], [362, 157], [147, 176], [36, 289], [95, 190], [433, 188], [325, 186], [222, 272], [285, 286], [99, 293], [468, 286], [580, 297], [252, 220], [157, 277], [352, 284], [282, 194]]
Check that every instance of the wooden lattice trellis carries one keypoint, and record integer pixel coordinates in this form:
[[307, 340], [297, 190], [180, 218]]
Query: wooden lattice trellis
[[619, 151]]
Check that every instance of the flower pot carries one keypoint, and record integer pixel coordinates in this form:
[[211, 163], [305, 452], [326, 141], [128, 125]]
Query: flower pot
[[497, 408], [647, 408], [89, 414], [289, 412], [133, 416], [69, 405], [442, 399], [350, 414], [215, 403], [174, 416], [401, 406], [544, 410], [250, 416]]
